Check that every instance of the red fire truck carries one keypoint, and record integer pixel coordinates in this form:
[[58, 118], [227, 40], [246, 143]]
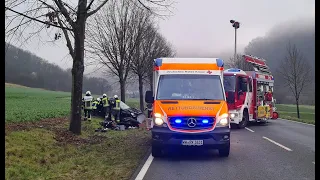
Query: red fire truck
[[249, 93]]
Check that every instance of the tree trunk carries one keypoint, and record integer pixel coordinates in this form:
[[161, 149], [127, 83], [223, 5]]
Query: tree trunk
[[123, 90], [78, 69], [298, 112], [141, 93]]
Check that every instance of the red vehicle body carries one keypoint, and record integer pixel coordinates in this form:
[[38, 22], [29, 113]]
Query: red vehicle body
[[249, 93]]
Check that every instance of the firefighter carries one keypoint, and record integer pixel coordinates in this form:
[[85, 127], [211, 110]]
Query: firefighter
[[87, 105], [99, 106], [106, 106], [116, 109], [94, 107]]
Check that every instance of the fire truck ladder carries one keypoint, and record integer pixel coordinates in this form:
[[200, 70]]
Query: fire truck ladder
[[259, 64]]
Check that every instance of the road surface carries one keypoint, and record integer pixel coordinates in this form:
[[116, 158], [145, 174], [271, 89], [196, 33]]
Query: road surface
[[281, 150]]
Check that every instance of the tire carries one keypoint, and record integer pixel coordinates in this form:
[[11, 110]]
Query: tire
[[156, 151], [225, 151], [245, 120]]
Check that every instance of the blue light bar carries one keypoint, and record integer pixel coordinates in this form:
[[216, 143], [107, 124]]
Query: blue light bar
[[205, 121], [178, 121], [158, 62], [220, 62], [234, 70]]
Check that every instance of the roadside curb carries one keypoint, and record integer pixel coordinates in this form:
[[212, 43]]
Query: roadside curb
[[141, 163]]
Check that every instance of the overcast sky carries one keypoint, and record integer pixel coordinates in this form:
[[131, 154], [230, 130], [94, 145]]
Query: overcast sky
[[202, 27]]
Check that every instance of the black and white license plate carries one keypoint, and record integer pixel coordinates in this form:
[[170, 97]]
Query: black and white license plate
[[192, 142]]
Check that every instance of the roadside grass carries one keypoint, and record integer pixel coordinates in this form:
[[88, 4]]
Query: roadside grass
[[50, 152], [38, 145], [289, 111]]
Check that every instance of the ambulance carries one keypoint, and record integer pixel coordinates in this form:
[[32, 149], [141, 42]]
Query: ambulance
[[189, 105]]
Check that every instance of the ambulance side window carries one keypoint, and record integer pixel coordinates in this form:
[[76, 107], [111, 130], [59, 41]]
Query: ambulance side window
[[250, 84]]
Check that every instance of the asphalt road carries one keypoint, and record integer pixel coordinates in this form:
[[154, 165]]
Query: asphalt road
[[281, 150]]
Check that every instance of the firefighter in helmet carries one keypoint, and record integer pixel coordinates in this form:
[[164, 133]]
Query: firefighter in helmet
[[106, 106], [88, 99], [94, 107], [116, 109]]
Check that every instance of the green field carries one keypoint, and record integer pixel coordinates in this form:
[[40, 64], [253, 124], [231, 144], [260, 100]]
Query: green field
[[31, 104], [289, 111], [38, 145]]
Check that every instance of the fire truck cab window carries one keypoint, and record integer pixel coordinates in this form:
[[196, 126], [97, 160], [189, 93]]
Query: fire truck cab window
[[240, 84], [229, 83]]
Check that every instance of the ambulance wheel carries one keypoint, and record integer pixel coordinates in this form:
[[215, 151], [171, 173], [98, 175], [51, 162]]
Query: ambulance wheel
[[156, 151], [225, 151], [244, 122]]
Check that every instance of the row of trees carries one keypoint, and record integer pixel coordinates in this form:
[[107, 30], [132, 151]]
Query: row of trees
[[70, 19], [124, 38], [25, 68], [294, 73]]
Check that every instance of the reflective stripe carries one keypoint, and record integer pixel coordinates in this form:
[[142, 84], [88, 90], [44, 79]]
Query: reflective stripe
[[105, 102], [117, 107]]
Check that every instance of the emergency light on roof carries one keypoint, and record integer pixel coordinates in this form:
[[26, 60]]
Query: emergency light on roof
[[158, 62], [220, 62], [234, 70]]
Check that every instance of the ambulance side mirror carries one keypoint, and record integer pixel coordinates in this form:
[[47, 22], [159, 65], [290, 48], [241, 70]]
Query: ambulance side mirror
[[148, 98]]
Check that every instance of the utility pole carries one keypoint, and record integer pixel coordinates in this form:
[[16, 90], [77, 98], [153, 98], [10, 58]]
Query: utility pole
[[235, 25]]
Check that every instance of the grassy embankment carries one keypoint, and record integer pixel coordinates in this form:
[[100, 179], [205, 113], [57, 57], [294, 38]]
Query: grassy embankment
[[289, 111], [38, 145]]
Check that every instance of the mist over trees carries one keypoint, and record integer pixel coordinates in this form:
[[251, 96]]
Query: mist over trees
[[25, 68], [273, 48]]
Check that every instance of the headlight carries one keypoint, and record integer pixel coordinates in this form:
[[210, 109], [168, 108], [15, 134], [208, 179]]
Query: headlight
[[158, 119], [232, 115], [223, 120]]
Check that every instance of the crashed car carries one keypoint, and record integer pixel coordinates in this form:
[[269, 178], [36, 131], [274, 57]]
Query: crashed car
[[128, 116]]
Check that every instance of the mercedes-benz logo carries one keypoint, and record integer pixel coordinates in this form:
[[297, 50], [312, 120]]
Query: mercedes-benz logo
[[192, 122]]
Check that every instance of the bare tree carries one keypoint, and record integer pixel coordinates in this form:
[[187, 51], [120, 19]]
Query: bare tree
[[71, 22], [142, 57], [296, 72], [239, 63], [118, 32], [160, 48]]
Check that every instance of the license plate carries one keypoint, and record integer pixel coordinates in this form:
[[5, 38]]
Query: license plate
[[192, 142]]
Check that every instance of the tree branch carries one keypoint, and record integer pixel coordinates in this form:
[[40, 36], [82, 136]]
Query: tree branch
[[43, 22], [64, 11], [97, 9]]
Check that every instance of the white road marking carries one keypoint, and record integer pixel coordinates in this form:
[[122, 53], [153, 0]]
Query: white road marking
[[314, 162], [296, 122], [249, 129], [144, 168], [280, 145]]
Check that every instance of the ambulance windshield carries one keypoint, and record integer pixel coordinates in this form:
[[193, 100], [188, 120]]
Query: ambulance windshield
[[229, 83], [190, 86]]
